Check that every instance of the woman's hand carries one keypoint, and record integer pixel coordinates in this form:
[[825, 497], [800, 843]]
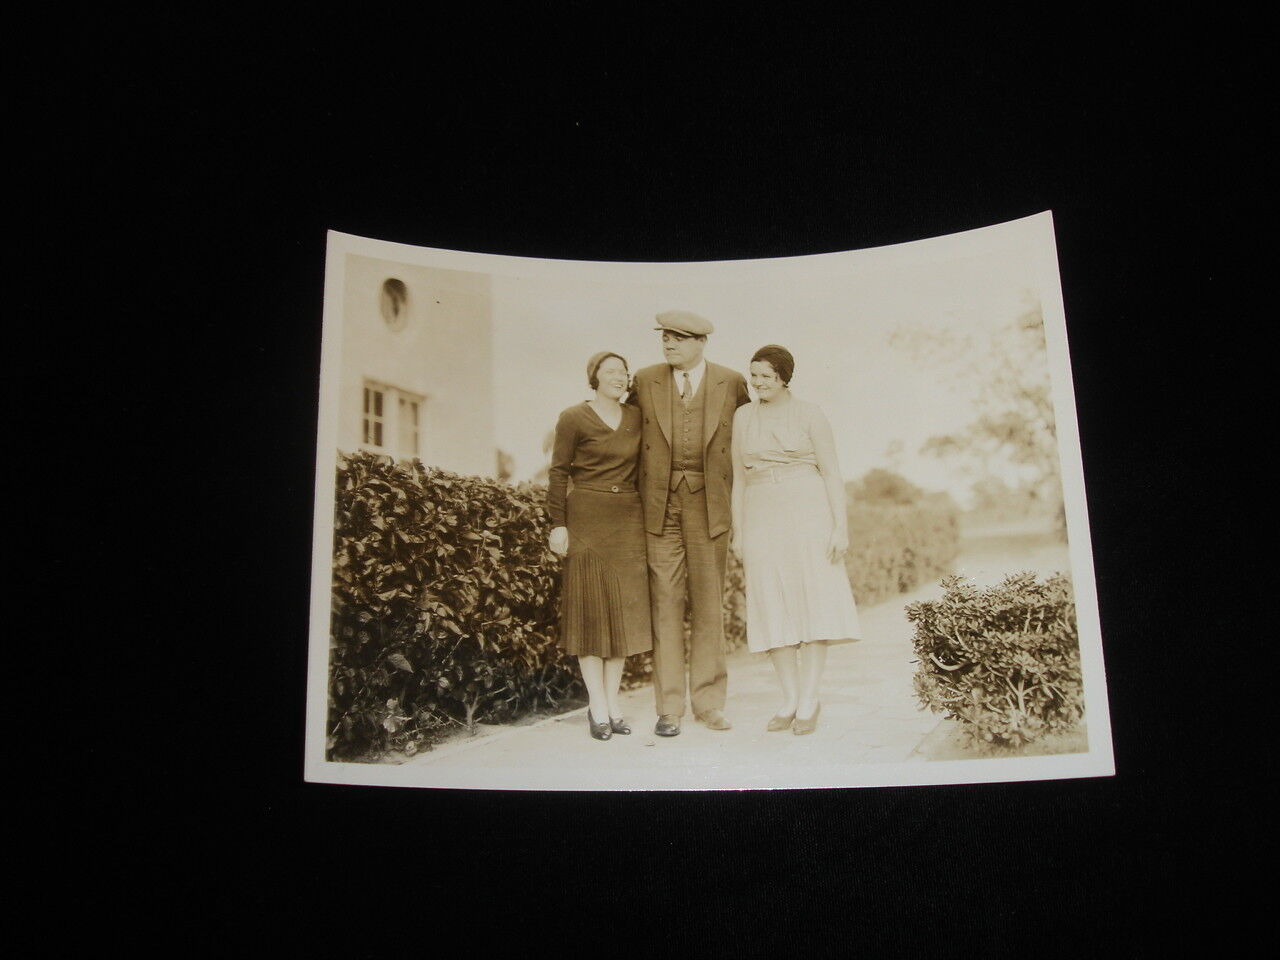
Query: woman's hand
[[838, 547], [559, 541]]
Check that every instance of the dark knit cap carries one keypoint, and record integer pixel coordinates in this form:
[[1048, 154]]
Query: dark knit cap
[[593, 366], [780, 358]]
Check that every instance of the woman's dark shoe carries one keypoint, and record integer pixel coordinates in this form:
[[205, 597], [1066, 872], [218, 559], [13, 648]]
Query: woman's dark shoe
[[599, 731], [619, 725]]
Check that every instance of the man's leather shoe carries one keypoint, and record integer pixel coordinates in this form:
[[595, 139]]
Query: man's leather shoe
[[714, 719], [668, 725]]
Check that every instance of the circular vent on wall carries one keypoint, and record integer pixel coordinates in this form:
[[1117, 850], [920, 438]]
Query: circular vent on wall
[[394, 303]]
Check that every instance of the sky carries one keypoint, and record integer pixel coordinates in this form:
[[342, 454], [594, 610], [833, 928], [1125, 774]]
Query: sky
[[837, 325]]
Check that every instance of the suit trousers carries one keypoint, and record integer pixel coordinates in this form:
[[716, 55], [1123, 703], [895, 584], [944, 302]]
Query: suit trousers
[[687, 565]]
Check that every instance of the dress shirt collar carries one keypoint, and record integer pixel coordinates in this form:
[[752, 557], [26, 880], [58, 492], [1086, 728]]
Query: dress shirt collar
[[695, 376]]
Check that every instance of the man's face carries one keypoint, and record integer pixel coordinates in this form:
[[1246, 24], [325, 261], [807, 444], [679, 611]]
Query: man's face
[[681, 350]]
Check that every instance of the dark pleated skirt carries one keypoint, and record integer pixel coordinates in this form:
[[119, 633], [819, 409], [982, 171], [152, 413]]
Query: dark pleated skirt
[[604, 594]]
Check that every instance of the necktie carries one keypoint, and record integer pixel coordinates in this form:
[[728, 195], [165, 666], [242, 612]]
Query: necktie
[[685, 392]]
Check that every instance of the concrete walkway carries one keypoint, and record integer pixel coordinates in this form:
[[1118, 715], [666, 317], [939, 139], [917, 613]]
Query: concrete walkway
[[869, 716]]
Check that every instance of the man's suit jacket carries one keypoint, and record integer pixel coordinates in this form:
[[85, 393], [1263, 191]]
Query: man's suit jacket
[[654, 394]]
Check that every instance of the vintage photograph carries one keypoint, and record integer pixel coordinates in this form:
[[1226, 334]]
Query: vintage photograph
[[801, 522]]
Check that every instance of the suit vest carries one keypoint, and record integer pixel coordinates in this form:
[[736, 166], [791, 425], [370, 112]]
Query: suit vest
[[687, 449]]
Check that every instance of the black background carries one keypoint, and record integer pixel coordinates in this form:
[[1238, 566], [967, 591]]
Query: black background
[[211, 160]]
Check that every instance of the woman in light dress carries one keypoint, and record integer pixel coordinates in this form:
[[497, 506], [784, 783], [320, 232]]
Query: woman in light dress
[[791, 531]]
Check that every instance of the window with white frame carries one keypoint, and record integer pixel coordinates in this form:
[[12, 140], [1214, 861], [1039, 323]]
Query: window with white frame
[[392, 420], [410, 409], [374, 406]]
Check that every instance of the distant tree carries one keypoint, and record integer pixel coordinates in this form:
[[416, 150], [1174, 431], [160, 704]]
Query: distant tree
[[884, 486], [1010, 374], [994, 497], [506, 465], [548, 444]]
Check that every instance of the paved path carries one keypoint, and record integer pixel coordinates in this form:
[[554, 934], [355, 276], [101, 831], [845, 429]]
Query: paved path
[[869, 716]]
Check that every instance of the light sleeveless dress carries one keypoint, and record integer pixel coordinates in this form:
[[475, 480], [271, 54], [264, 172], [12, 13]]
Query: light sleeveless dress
[[794, 593]]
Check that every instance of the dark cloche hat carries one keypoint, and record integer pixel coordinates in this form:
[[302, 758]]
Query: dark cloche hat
[[594, 363], [682, 321]]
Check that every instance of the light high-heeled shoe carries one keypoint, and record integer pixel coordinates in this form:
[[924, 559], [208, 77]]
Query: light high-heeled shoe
[[801, 727], [780, 722]]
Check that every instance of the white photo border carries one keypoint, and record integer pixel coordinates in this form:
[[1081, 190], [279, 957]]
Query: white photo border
[[1036, 232]]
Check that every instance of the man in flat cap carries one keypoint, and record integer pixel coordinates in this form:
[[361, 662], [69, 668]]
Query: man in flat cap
[[685, 478]]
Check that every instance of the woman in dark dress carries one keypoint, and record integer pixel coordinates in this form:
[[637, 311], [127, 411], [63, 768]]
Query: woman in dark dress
[[598, 527]]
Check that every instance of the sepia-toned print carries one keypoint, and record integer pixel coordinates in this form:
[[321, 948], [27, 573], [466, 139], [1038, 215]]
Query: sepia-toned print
[[807, 522]]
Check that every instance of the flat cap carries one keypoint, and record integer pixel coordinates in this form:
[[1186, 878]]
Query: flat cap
[[682, 321]]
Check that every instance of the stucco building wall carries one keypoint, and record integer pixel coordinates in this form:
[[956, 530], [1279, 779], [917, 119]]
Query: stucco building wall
[[433, 359]]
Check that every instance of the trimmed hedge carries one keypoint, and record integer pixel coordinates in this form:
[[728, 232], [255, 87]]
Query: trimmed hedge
[[1004, 660], [445, 600], [444, 606]]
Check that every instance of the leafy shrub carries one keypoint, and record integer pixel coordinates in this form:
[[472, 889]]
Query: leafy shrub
[[1004, 660], [895, 547], [444, 606]]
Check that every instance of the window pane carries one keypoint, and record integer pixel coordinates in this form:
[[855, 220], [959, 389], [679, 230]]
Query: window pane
[[366, 427], [408, 441], [377, 434], [377, 403], [366, 401]]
